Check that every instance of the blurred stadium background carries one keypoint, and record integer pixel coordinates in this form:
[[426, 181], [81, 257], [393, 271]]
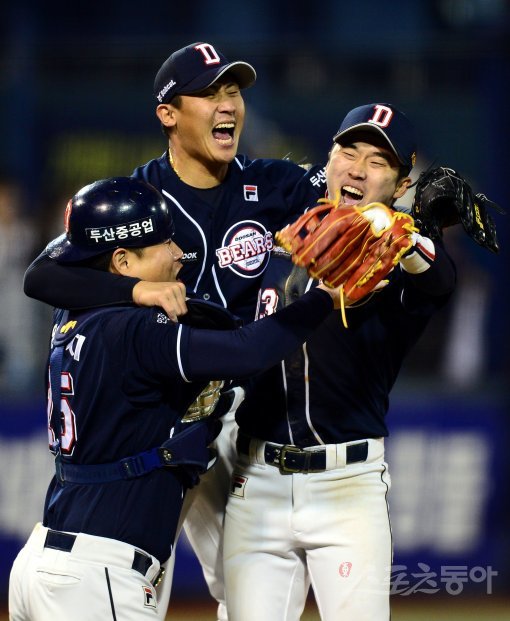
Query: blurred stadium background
[[76, 105]]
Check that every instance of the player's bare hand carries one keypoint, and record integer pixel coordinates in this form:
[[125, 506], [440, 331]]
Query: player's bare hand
[[171, 296], [336, 295]]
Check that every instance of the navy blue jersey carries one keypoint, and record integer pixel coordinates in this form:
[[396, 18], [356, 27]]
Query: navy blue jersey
[[226, 234], [227, 241], [128, 376], [335, 388]]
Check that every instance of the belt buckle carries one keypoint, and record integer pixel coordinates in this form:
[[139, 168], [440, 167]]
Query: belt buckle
[[287, 448], [159, 577]]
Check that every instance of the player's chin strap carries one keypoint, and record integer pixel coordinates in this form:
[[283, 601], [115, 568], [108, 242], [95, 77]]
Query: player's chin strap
[[187, 449]]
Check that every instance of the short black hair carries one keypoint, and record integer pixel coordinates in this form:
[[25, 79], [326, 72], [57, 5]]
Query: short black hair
[[102, 262]]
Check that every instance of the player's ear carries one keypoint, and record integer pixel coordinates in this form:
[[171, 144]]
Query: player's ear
[[402, 186], [120, 261], [166, 115]]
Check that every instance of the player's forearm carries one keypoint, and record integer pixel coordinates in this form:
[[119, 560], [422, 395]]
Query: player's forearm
[[75, 287], [439, 278]]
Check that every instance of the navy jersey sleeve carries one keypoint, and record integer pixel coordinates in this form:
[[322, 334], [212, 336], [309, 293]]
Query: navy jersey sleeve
[[237, 354], [440, 279], [75, 287], [165, 350], [430, 290]]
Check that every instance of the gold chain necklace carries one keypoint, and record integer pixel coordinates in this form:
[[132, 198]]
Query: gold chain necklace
[[172, 163]]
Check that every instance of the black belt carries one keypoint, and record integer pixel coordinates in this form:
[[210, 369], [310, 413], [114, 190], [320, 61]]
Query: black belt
[[64, 542], [289, 458]]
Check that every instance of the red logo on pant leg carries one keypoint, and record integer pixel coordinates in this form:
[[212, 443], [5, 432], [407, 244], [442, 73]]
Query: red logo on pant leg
[[344, 569]]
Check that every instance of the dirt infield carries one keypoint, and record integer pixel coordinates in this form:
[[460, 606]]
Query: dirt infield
[[450, 608], [488, 608]]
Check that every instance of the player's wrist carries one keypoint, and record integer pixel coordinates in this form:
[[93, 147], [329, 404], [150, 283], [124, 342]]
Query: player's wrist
[[137, 291], [420, 256]]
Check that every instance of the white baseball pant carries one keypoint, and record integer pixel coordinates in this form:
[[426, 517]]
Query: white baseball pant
[[96, 578], [331, 528]]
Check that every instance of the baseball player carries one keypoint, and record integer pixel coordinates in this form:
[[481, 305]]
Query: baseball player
[[226, 208], [120, 381], [308, 500]]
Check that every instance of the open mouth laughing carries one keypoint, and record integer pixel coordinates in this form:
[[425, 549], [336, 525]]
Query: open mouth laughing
[[351, 195], [223, 133]]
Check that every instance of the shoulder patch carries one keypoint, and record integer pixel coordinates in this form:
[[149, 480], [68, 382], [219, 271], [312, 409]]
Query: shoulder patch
[[159, 316]]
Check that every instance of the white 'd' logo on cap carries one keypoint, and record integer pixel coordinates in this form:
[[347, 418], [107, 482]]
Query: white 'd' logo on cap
[[209, 53], [382, 116]]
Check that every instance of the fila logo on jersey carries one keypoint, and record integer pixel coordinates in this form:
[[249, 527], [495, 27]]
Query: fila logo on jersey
[[251, 193], [149, 597], [237, 486], [246, 248]]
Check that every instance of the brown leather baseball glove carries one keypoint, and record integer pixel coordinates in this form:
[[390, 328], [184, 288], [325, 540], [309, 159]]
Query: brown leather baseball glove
[[349, 246]]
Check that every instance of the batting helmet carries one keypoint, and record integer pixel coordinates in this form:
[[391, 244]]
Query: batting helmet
[[112, 213]]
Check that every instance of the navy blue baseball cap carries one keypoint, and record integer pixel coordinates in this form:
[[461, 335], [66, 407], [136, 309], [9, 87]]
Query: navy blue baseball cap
[[195, 67], [385, 120], [120, 212]]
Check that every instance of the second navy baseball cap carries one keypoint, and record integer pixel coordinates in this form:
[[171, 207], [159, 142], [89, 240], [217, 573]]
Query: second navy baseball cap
[[119, 212], [385, 120], [194, 68]]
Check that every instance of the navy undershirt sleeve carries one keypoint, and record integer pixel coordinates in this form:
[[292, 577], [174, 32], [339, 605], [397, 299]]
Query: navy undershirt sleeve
[[440, 279], [237, 354], [75, 287]]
